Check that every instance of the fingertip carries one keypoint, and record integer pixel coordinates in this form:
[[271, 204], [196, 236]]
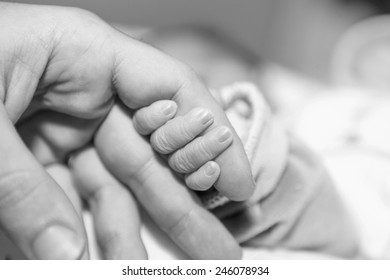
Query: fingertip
[[159, 142], [148, 119], [167, 108], [203, 116], [236, 179], [239, 189], [211, 169], [203, 178], [58, 242], [224, 135]]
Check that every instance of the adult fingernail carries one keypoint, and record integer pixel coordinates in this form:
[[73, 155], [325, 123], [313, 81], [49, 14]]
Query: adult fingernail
[[169, 108], [58, 243], [211, 168], [204, 116], [224, 134]]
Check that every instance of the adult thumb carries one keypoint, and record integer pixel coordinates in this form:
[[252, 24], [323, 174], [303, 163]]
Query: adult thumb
[[34, 212]]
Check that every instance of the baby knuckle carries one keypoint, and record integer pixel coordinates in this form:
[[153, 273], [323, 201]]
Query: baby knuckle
[[142, 123], [181, 162], [186, 132], [160, 142], [203, 150], [140, 127]]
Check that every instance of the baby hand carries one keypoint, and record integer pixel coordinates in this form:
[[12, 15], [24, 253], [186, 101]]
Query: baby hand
[[189, 152]]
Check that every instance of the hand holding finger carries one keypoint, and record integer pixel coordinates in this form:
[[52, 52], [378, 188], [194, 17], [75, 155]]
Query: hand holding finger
[[168, 79], [163, 195]]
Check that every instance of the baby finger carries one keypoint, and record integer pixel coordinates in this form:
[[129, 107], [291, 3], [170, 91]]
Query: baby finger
[[201, 150], [203, 178]]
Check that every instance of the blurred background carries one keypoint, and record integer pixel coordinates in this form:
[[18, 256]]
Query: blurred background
[[320, 41], [299, 34]]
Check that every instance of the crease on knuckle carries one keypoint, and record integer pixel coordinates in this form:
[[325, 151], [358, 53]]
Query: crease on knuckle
[[203, 150], [142, 122], [160, 142], [18, 186], [140, 177], [185, 133], [180, 225], [181, 162]]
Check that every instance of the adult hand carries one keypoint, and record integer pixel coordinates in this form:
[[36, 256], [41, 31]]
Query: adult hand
[[64, 66], [159, 190]]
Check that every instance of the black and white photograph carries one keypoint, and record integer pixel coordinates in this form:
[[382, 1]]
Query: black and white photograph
[[173, 130]]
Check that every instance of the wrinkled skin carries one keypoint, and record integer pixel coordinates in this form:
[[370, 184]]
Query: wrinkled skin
[[61, 70]]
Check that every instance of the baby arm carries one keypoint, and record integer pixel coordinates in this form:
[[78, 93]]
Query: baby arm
[[180, 138]]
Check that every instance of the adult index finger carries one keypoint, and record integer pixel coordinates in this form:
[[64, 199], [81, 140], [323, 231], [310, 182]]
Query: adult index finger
[[34, 211], [143, 75], [163, 195]]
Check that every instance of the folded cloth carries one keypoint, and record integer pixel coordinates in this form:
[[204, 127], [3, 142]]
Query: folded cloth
[[250, 117], [295, 204], [354, 142]]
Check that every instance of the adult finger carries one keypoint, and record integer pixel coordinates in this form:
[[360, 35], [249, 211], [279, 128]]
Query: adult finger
[[143, 75], [34, 211], [114, 210], [163, 195], [53, 136], [63, 177]]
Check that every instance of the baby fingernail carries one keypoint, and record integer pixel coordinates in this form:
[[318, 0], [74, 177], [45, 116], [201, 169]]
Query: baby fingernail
[[204, 116], [211, 168], [169, 108], [58, 243], [223, 134]]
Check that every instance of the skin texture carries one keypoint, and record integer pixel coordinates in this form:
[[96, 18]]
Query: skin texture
[[61, 70], [180, 139]]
